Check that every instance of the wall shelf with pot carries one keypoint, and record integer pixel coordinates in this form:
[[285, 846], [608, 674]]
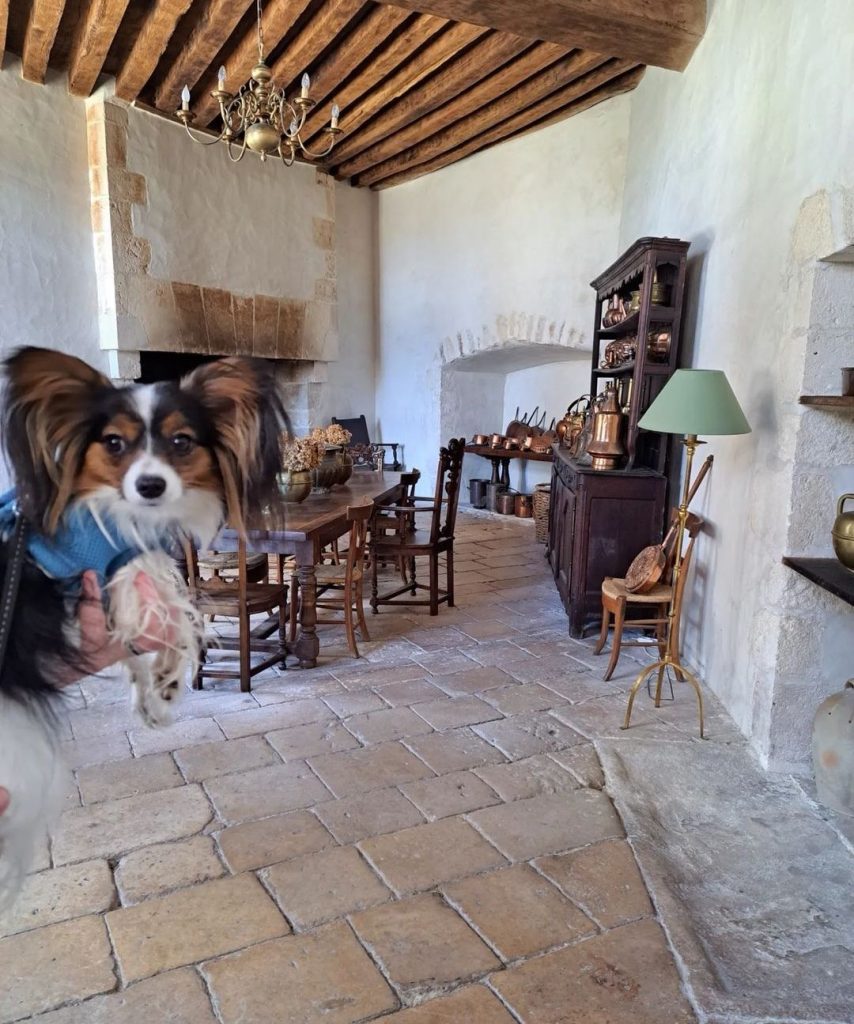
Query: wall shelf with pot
[[828, 573], [657, 314]]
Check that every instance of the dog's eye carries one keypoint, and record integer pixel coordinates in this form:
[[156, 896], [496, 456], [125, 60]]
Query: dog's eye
[[114, 443], [182, 444]]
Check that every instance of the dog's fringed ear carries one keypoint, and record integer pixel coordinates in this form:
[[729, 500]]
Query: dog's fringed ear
[[48, 408], [248, 416]]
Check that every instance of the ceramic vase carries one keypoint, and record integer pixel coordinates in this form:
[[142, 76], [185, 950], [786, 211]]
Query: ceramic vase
[[833, 750], [345, 466], [295, 485], [326, 475]]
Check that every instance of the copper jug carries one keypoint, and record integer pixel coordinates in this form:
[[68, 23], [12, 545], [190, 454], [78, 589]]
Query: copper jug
[[605, 447]]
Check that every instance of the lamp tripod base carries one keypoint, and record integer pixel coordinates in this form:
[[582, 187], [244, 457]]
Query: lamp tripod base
[[661, 667]]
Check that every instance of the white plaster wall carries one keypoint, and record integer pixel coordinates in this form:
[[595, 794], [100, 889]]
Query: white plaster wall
[[725, 155], [511, 237], [350, 387], [243, 227], [48, 292]]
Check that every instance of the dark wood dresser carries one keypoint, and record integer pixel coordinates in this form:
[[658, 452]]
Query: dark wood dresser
[[598, 522]]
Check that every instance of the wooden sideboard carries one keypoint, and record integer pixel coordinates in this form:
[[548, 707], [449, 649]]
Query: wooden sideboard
[[598, 522]]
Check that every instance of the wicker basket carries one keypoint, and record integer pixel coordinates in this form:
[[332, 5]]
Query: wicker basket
[[542, 499]]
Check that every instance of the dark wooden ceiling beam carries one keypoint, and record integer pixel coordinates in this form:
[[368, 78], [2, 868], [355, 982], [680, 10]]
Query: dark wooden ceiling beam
[[42, 26], [384, 62], [92, 41], [277, 19], [218, 21], [454, 76], [663, 33], [486, 92], [149, 46], [505, 132], [515, 112]]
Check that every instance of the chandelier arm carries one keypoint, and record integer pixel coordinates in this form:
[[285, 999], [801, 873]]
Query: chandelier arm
[[316, 156], [239, 157], [287, 161], [205, 141]]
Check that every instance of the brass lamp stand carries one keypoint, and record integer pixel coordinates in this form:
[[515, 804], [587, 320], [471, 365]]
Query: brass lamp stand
[[692, 402], [671, 648]]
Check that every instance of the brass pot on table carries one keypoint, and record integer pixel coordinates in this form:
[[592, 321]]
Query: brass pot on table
[[843, 533], [605, 447]]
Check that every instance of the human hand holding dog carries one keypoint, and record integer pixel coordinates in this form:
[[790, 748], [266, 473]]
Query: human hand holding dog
[[98, 651]]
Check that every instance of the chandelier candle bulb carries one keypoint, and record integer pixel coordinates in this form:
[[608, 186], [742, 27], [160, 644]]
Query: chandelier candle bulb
[[220, 75], [335, 114], [306, 85], [185, 98]]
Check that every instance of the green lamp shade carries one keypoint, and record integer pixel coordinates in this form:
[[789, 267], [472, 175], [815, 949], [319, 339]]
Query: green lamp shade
[[696, 402]]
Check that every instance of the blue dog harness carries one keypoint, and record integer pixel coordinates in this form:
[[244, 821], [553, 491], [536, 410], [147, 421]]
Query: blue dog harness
[[82, 541]]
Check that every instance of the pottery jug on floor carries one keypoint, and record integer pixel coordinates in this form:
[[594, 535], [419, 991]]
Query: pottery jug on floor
[[833, 750]]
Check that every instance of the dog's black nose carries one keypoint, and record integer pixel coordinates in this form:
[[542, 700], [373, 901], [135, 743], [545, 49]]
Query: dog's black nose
[[151, 486]]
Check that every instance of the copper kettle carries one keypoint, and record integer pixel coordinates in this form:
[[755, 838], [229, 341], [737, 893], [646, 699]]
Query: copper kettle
[[605, 447]]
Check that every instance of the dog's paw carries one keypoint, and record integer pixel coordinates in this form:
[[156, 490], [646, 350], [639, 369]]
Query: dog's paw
[[154, 707]]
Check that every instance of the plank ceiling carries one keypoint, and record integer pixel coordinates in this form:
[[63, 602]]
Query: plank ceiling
[[421, 83]]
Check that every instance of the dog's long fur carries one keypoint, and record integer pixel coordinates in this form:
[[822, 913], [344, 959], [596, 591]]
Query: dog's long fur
[[75, 441]]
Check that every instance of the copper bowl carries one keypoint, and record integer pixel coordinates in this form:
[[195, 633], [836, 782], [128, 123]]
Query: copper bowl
[[480, 439], [497, 440]]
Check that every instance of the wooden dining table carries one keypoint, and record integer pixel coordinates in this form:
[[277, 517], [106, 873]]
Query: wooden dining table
[[307, 527]]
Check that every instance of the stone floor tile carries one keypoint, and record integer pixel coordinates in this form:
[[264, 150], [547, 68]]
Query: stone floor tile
[[534, 733], [158, 869], [549, 824], [450, 794], [324, 976], [421, 857], [519, 698], [475, 1004], [103, 720], [117, 826], [422, 945], [294, 684], [276, 716], [488, 629], [256, 844], [532, 776], [454, 750], [625, 976], [603, 718], [388, 652], [192, 924], [359, 771], [207, 704], [177, 997], [583, 762], [445, 663], [387, 724], [315, 738], [128, 778], [366, 676], [319, 887], [473, 680], [264, 791], [109, 688], [95, 750], [181, 734], [44, 968], [440, 637], [410, 692], [502, 653], [603, 879], [206, 760], [356, 703], [52, 896], [454, 712], [368, 814], [518, 912]]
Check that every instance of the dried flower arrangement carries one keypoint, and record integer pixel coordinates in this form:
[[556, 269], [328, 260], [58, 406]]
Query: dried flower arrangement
[[299, 454], [333, 436]]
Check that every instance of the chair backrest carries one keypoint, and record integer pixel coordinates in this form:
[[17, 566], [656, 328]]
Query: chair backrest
[[358, 516], [358, 427], [447, 493]]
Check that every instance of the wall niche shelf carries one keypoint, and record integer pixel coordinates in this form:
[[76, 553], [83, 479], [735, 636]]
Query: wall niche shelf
[[828, 401], [827, 573]]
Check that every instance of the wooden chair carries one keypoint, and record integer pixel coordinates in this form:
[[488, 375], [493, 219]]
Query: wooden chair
[[363, 450], [400, 522], [239, 598], [617, 600], [340, 585], [406, 543]]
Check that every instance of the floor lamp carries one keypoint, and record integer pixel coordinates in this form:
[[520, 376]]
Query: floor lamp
[[693, 402]]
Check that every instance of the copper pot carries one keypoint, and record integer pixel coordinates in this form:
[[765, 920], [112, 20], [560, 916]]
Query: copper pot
[[505, 503], [480, 439], [497, 440], [524, 506], [510, 444], [605, 447]]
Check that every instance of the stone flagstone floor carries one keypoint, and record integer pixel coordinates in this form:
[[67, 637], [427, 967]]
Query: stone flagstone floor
[[422, 836]]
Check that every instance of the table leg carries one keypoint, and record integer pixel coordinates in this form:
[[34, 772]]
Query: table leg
[[307, 646], [505, 472], [495, 464]]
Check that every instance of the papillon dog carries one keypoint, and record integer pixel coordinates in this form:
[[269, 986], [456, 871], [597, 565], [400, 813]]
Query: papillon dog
[[109, 478]]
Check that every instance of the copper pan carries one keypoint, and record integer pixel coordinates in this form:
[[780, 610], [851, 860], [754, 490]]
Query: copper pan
[[480, 439], [515, 425], [497, 440]]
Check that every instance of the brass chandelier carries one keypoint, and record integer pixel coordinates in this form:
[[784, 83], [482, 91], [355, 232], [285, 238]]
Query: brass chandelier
[[260, 117]]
